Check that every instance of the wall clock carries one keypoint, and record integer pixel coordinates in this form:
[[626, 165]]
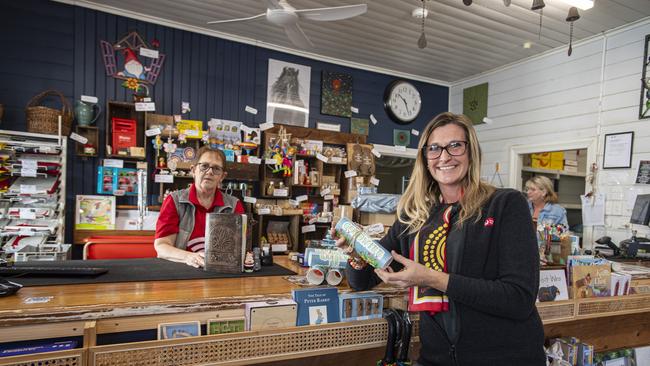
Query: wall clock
[[402, 101]]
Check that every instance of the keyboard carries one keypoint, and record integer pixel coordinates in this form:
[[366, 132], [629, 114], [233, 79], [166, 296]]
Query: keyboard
[[51, 271]]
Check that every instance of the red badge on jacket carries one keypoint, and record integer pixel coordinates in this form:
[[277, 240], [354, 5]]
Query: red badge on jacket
[[489, 222]]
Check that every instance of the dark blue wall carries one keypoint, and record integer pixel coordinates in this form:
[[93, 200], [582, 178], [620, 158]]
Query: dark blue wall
[[48, 45]]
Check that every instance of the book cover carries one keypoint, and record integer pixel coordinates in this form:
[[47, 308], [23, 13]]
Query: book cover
[[317, 305], [552, 285], [25, 348], [591, 281], [225, 242]]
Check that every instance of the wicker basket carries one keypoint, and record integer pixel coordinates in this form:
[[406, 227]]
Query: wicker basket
[[42, 119]]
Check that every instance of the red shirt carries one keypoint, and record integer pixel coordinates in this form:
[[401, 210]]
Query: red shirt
[[168, 219]]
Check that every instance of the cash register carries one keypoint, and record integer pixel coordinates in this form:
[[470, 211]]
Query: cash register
[[634, 247]]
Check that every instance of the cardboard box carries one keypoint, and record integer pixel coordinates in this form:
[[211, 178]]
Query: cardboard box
[[263, 315], [550, 160], [367, 218]]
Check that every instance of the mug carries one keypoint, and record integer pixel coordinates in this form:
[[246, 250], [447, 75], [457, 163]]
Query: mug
[[85, 113]]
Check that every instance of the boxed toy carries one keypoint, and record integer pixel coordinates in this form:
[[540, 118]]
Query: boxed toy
[[361, 306], [263, 315]]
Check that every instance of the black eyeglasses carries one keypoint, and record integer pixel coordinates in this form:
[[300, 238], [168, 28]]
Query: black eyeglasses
[[204, 167], [454, 148]]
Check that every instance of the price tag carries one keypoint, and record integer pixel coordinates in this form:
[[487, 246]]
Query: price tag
[[164, 178], [308, 229], [89, 99], [191, 133], [27, 189], [375, 229], [80, 139], [400, 148], [146, 99], [293, 203], [153, 132], [415, 132], [145, 107], [114, 163], [264, 211], [146, 52], [373, 119], [325, 191], [266, 126], [141, 165], [250, 199], [375, 152], [336, 159], [302, 198], [322, 157], [27, 213], [374, 181], [119, 192], [250, 110], [350, 173], [38, 300], [280, 192], [354, 109], [254, 160], [328, 197], [313, 220], [27, 172]]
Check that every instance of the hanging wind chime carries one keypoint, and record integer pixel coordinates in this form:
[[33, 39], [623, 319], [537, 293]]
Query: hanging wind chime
[[572, 17], [422, 41], [539, 5]]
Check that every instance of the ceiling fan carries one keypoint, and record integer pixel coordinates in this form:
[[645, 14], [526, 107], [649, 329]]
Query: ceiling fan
[[279, 12]]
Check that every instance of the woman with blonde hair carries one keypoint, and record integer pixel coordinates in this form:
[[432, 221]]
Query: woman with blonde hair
[[542, 202], [466, 252]]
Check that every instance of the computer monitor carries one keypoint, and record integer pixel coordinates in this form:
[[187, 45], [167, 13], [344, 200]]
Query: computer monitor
[[641, 210]]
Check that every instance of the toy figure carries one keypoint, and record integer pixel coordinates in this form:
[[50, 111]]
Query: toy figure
[[287, 161], [161, 163], [277, 157], [249, 262], [157, 142]]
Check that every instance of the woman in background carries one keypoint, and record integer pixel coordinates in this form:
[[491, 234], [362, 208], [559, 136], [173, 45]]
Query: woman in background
[[542, 201]]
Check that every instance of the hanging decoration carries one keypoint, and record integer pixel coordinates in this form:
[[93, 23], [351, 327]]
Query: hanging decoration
[[644, 103], [422, 41], [134, 72], [572, 17], [539, 5]]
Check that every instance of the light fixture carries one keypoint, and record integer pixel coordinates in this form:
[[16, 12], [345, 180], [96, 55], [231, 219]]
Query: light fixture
[[572, 17], [422, 41], [467, 2], [539, 5], [580, 4], [527, 44]]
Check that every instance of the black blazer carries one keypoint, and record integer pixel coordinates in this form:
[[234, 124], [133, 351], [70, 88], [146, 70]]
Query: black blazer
[[494, 290]]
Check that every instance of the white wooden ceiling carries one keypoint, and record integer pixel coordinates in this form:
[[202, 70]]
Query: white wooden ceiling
[[462, 40]]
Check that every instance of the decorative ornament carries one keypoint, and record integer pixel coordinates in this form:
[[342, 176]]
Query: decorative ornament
[[155, 43], [182, 138], [539, 5], [206, 137], [572, 17], [422, 41], [467, 2], [169, 147], [131, 83], [157, 142], [129, 47]]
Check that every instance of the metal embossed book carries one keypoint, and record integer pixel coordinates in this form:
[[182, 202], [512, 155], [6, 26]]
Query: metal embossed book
[[225, 242]]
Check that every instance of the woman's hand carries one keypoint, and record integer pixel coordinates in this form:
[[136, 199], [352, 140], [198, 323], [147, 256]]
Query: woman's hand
[[413, 274], [196, 260], [342, 243]]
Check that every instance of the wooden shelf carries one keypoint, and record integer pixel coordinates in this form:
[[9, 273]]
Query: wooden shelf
[[571, 206], [549, 171]]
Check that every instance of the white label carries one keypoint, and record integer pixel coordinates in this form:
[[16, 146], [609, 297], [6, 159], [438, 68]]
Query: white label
[[146, 52], [375, 152], [375, 229], [322, 157], [250, 110], [185, 107], [27, 213], [328, 197], [250, 199], [141, 165], [354, 109], [374, 181], [27, 189], [89, 99], [146, 99], [328, 126], [29, 164], [325, 191], [302, 198], [266, 126], [114, 163], [373, 119], [145, 107], [336, 159], [293, 203], [80, 139], [153, 132], [350, 173], [264, 211], [164, 178], [254, 160], [400, 148], [27, 172], [280, 192], [191, 133], [308, 229], [119, 192], [415, 132], [269, 161], [38, 300]]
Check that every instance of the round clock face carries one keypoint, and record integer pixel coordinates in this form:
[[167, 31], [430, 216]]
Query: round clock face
[[402, 101]]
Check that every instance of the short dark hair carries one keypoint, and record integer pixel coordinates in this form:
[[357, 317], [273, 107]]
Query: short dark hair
[[207, 149]]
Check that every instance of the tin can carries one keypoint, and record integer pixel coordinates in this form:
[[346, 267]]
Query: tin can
[[368, 249]]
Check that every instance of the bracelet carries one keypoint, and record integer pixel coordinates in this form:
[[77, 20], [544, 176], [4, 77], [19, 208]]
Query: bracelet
[[357, 263]]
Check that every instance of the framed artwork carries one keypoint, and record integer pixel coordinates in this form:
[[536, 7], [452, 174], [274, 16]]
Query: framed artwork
[[179, 330], [475, 100], [359, 126], [336, 94], [618, 150], [401, 137], [95, 212], [644, 103], [287, 94]]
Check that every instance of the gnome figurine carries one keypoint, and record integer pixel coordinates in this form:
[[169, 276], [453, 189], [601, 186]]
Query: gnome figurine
[[132, 66]]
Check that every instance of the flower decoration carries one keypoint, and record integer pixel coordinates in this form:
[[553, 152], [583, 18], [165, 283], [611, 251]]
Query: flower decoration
[[169, 147], [182, 138], [131, 83], [157, 142]]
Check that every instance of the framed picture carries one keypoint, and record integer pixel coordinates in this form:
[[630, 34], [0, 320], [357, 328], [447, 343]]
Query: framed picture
[[618, 150], [179, 330], [336, 94], [287, 93], [226, 325], [95, 212]]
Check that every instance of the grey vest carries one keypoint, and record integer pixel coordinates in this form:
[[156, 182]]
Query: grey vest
[[185, 210]]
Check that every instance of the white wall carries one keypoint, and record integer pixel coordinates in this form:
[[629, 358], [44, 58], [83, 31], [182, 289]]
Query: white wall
[[555, 98]]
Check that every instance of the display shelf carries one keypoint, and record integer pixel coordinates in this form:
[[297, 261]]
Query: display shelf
[[567, 310], [557, 173], [123, 110]]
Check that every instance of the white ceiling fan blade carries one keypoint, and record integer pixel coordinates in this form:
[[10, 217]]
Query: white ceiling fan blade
[[333, 13], [237, 20], [297, 36]]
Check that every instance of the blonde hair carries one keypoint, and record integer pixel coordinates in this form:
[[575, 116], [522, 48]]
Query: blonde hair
[[423, 191], [543, 184]]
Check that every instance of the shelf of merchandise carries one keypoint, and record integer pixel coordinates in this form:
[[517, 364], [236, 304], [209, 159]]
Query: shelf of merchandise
[[34, 145], [557, 173]]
